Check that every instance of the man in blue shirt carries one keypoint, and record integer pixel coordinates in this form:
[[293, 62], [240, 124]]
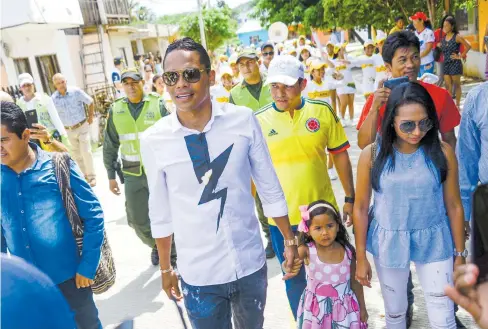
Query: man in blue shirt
[[472, 146], [34, 224], [26, 290]]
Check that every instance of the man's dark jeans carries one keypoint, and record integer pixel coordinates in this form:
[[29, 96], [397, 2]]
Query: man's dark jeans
[[82, 304], [212, 307]]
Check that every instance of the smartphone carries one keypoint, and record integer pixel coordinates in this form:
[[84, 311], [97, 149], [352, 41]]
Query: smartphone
[[479, 245], [392, 83], [31, 116]]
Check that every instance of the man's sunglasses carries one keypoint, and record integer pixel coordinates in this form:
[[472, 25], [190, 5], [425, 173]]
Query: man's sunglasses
[[271, 53], [189, 75], [408, 127]]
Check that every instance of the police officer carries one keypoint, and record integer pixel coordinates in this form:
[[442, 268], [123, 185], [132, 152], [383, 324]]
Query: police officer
[[251, 92], [128, 117]]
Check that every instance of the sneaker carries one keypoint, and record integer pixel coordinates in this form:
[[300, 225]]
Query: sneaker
[[344, 123], [154, 256], [92, 182], [409, 315], [332, 174], [269, 251], [459, 324], [354, 121]]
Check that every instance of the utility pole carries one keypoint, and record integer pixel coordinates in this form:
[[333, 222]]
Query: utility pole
[[202, 27]]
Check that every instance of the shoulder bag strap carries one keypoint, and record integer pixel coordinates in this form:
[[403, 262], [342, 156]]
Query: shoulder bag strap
[[61, 162]]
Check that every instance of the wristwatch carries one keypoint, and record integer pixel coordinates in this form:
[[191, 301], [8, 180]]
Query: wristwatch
[[349, 199], [463, 254], [293, 242]]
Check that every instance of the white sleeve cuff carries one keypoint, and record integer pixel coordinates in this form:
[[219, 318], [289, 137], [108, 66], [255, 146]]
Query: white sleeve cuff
[[161, 230], [277, 209]]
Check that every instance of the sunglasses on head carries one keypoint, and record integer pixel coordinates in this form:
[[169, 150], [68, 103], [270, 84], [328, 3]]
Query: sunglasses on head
[[270, 53], [408, 127], [170, 78]]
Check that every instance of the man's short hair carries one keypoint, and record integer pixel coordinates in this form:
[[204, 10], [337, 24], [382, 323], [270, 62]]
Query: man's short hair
[[398, 18], [189, 44], [401, 39], [13, 118]]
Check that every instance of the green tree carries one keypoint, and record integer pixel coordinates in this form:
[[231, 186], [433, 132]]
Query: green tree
[[145, 14], [219, 26]]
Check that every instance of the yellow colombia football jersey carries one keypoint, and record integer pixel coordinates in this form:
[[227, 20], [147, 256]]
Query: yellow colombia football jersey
[[297, 146]]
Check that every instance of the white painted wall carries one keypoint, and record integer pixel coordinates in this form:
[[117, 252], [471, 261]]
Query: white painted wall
[[64, 14], [74, 50], [29, 43], [475, 64], [121, 40]]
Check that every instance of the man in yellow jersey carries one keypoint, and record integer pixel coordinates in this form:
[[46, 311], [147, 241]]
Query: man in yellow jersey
[[251, 92], [298, 131]]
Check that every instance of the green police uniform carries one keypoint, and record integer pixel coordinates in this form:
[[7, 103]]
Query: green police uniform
[[126, 121], [252, 96]]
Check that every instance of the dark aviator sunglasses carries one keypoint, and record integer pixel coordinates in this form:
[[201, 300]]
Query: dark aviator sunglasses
[[193, 75], [408, 127]]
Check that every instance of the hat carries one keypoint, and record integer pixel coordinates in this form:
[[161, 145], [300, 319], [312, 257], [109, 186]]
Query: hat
[[419, 15], [285, 69], [267, 44], [25, 78], [317, 65], [247, 53], [131, 73], [225, 70], [302, 37], [118, 60], [368, 42], [233, 59]]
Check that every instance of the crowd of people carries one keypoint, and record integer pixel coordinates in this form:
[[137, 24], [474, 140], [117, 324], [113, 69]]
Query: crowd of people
[[208, 150]]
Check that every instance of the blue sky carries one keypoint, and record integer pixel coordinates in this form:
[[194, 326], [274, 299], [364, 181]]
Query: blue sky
[[169, 7]]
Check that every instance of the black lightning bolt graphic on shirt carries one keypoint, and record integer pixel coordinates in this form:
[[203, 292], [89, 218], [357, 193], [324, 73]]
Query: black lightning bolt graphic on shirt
[[198, 149]]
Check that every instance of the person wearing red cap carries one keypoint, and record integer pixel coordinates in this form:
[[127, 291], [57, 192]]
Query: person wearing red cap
[[423, 31]]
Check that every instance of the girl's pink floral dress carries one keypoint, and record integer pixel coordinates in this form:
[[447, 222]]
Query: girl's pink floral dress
[[328, 301]]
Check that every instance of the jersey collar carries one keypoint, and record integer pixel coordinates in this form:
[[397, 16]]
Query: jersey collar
[[298, 108]]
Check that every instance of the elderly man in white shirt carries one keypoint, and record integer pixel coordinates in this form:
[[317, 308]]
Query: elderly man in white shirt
[[201, 192]]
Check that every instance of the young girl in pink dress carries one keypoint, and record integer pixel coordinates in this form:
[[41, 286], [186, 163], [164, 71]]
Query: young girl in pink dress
[[332, 298]]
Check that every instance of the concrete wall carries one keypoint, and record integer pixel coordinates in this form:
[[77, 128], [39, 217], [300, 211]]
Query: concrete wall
[[475, 65], [63, 14], [29, 43], [75, 54], [121, 40]]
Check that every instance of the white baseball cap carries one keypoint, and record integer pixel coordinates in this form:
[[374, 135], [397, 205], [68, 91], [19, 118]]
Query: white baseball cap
[[25, 78], [285, 69]]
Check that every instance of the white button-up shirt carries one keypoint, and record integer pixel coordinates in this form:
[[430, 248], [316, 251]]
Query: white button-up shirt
[[200, 190]]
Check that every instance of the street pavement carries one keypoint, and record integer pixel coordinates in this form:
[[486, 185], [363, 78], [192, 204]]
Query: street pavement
[[137, 292]]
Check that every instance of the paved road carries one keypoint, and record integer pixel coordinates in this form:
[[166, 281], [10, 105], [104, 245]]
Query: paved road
[[137, 292]]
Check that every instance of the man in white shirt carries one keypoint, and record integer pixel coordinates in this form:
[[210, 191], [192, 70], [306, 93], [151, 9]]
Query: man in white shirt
[[202, 194], [116, 77]]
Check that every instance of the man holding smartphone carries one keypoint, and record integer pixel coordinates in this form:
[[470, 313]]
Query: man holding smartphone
[[401, 53]]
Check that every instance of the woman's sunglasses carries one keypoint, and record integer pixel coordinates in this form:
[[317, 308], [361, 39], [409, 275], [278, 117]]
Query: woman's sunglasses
[[271, 53], [408, 127], [189, 75]]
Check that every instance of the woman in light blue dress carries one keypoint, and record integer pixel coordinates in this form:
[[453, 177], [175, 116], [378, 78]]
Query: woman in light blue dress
[[417, 212]]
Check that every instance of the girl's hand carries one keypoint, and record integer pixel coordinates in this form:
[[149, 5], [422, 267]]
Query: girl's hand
[[363, 313], [291, 272], [363, 272]]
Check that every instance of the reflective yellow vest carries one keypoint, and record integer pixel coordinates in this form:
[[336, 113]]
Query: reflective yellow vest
[[242, 97], [40, 105], [129, 129]]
